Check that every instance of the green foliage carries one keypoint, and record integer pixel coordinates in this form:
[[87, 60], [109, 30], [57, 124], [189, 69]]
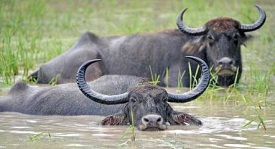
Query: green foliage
[[154, 77], [130, 130], [34, 31], [38, 136]]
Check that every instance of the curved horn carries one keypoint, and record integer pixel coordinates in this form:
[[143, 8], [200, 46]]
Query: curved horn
[[198, 90], [257, 24], [185, 29], [93, 95]]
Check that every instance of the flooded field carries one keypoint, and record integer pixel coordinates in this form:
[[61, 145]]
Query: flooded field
[[34, 32], [222, 128]]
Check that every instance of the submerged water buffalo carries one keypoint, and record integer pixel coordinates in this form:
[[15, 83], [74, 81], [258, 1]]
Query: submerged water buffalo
[[113, 95], [218, 43]]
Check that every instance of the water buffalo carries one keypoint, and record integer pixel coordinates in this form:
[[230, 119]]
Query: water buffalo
[[114, 95], [218, 43]]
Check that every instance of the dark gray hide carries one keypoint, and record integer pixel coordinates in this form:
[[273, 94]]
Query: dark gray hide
[[67, 99], [218, 43], [146, 103], [149, 103]]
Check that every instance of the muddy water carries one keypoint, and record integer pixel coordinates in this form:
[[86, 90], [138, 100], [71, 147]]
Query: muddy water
[[222, 129]]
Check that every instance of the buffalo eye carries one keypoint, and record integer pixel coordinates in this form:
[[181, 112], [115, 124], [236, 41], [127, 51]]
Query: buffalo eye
[[133, 99], [210, 39], [236, 38]]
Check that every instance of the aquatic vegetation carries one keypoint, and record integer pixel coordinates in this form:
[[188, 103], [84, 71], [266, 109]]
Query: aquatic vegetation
[[35, 31]]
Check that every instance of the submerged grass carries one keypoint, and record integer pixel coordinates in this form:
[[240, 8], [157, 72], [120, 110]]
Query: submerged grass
[[35, 31], [130, 130], [38, 136]]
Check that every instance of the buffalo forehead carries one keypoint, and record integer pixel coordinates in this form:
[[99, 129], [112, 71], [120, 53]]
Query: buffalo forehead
[[222, 24], [148, 90]]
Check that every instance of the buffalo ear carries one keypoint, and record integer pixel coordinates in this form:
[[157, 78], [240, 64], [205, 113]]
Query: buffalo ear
[[247, 38], [113, 120], [185, 119], [193, 46]]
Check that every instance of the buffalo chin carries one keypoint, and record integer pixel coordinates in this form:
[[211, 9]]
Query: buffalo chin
[[152, 128], [226, 72], [226, 75]]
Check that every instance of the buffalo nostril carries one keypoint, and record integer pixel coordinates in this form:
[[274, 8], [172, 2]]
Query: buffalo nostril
[[226, 61], [231, 62], [146, 120], [159, 120]]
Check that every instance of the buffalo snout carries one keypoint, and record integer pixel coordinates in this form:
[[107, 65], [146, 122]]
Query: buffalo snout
[[152, 122], [226, 67]]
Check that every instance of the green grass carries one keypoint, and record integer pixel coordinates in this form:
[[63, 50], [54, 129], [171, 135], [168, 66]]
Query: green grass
[[154, 77], [38, 136], [34, 31]]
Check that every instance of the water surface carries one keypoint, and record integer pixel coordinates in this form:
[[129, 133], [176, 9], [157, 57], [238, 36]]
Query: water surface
[[222, 128]]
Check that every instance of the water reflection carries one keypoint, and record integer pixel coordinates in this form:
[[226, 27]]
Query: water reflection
[[27, 131], [216, 125]]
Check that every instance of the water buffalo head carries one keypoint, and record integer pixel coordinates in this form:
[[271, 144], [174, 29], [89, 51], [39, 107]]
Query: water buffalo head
[[146, 106], [221, 39]]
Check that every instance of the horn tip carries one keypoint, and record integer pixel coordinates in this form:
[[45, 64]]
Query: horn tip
[[192, 57]]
